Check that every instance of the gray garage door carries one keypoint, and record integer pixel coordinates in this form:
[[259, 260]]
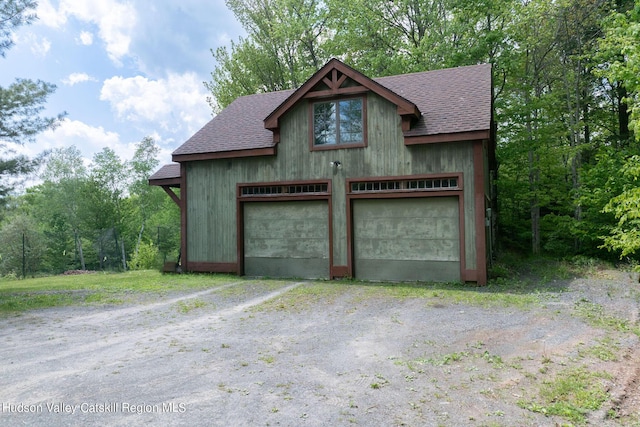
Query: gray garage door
[[416, 239], [286, 239]]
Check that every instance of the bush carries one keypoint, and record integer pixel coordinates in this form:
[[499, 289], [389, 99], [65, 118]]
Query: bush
[[147, 258]]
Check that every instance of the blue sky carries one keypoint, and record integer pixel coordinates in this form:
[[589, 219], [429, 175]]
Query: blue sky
[[125, 69]]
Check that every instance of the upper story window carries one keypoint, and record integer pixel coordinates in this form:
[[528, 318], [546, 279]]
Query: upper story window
[[337, 123]]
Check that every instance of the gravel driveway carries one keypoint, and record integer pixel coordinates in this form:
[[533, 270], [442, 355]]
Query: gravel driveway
[[276, 353]]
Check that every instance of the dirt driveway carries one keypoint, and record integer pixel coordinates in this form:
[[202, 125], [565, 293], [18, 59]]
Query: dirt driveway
[[275, 353]]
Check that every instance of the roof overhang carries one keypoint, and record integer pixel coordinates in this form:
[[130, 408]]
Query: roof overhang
[[268, 151], [448, 137], [333, 77], [167, 182]]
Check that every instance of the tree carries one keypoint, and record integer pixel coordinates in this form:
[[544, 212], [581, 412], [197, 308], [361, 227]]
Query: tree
[[141, 166], [625, 236], [22, 101], [22, 246], [62, 197], [106, 211], [623, 67], [284, 46], [622, 31], [13, 14]]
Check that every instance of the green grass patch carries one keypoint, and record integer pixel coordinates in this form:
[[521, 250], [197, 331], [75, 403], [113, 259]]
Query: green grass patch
[[500, 293], [15, 303], [572, 395], [606, 350], [187, 306], [596, 316], [97, 288], [303, 297]]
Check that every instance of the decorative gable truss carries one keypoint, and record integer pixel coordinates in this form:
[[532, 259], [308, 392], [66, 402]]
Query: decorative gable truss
[[337, 79]]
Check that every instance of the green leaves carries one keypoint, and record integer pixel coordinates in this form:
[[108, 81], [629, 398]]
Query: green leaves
[[625, 236], [622, 43], [284, 47], [22, 101]]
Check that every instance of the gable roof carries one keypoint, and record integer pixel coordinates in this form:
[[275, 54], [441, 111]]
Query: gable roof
[[450, 105], [331, 78]]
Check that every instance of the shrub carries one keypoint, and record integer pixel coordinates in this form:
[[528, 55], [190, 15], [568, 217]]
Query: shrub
[[147, 258]]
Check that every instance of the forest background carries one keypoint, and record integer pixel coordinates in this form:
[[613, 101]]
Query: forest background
[[567, 110]]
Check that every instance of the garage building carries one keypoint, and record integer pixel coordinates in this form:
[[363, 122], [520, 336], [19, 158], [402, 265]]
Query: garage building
[[385, 179]]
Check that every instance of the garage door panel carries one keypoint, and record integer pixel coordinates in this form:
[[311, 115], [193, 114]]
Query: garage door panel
[[307, 268], [408, 249], [285, 248], [309, 228], [301, 209], [439, 207], [407, 239], [405, 228], [286, 239], [408, 271]]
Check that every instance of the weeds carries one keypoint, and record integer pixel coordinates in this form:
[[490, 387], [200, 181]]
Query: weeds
[[595, 315], [606, 350], [187, 306], [572, 394]]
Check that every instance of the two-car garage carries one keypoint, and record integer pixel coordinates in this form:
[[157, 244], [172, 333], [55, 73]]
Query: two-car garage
[[392, 239]]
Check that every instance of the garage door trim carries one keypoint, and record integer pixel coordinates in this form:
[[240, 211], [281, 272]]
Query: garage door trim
[[281, 191], [403, 187]]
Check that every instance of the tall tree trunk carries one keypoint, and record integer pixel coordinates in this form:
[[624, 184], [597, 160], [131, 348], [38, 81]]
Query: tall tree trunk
[[139, 238], [534, 176], [534, 204], [79, 246], [623, 115], [124, 256]]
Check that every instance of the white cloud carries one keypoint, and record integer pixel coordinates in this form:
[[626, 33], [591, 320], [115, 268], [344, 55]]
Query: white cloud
[[115, 20], [49, 16], [89, 139], [75, 78], [85, 38], [175, 104], [39, 46]]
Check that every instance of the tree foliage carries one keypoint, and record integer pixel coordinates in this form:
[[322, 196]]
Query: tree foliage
[[625, 235], [23, 246], [22, 102], [285, 45], [566, 93], [14, 14], [94, 216]]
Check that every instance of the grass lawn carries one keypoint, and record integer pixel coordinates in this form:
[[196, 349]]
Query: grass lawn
[[97, 288], [511, 288]]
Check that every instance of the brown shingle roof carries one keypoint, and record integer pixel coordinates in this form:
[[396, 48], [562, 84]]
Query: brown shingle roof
[[170, 171], [240, 126], [451, 101]]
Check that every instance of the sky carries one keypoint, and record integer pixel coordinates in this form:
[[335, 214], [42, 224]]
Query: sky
[[124, 70]]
